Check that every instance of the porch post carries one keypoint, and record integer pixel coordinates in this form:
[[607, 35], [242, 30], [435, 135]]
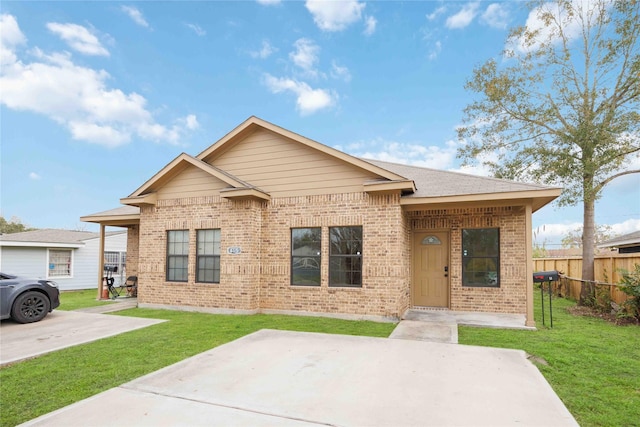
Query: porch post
[[101, 260], [529, 270]]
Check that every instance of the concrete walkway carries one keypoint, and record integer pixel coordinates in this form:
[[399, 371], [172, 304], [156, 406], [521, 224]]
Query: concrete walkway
[[62, 329], [309, 379], [117, 304], [442, 325]]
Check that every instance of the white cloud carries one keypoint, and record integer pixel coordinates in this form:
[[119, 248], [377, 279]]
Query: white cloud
[[197, 29], [435, 50], [554, 232], [269, 2], [340, 72], [308, 100], [626, 227], [10, 38], [265, 51], [78, 38], [305, 56], [435, 157], [546, 33], [370, 25], [496, 16], [335, 15], [464, 17], [190, 122], [34, 176], [136, 15], [78, 98], [439, 11]]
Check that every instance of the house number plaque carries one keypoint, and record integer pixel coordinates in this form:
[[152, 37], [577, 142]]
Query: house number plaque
[[234, 250]]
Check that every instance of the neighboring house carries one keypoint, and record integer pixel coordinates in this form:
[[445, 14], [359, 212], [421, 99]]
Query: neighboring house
[[68, 257], [626, 244], [266, 220]]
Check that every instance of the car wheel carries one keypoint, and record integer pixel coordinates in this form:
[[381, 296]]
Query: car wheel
[[30, 307]]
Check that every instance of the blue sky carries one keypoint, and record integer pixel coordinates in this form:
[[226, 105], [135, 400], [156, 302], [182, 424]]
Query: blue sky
[[98, 96]]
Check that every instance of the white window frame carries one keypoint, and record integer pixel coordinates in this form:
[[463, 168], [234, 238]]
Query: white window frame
[[70, 276]]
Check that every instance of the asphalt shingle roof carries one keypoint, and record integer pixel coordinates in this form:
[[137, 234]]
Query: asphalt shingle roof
[[439, 183], [51, 235]]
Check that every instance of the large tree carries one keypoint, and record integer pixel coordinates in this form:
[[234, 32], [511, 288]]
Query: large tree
[[561, 105]]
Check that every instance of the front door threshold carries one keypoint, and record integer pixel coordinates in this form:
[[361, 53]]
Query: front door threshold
[[424, 308]]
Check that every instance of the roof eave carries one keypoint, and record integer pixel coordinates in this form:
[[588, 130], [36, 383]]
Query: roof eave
[[145, 199], [112, 220], [537, 199], [41, 244], [385, 187], [244, 194]]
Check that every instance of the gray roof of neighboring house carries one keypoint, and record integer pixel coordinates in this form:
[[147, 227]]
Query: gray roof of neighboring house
[[438, 183], [52, 235], [624, 240]]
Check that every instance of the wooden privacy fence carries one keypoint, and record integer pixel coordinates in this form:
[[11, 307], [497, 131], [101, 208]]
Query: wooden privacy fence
[[606, 269]]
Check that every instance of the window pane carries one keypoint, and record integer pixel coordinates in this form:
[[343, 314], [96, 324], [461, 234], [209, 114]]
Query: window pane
[[178, 242], [346, 240], [305, 271], [481, 257], [208, 256], [345, 263], [480, 242], [59, 263], [177, 255], [345, 271], [306, 241], [306, 256], [177, 268]]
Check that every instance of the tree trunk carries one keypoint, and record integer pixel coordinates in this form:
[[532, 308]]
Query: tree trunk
[[588, 243]]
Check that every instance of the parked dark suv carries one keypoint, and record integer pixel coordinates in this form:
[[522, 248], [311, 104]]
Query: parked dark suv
[[27, 300]]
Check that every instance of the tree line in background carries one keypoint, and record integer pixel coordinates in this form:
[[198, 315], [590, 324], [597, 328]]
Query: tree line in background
[[14, 225]]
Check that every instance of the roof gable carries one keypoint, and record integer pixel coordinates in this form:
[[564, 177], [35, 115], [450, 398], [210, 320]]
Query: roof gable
[[283, 163], [176, 167], [253, 123]]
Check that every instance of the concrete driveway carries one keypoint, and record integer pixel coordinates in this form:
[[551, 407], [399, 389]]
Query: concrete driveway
[[304, 379], [61, 329]]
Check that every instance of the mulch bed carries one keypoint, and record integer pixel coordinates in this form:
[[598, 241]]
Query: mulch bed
[[582, 310]]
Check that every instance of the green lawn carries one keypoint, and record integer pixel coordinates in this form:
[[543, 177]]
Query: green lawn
[[593, 365], [73, 300], [35, 387]]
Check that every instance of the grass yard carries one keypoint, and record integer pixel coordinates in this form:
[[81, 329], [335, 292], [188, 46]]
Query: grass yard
[[35, 387], [73, 300], [593, 365]]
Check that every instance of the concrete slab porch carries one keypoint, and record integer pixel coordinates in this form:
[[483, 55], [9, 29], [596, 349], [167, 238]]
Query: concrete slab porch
[[442, 325], [485, 320]]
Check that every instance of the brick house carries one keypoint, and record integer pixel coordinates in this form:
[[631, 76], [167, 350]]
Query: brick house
[[266, 220]]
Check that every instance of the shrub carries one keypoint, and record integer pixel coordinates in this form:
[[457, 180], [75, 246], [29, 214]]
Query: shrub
[[630, 285]]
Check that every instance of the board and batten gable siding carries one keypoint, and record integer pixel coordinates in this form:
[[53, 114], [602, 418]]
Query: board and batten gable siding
[[24, 261], [286, 168], [192, 182]]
